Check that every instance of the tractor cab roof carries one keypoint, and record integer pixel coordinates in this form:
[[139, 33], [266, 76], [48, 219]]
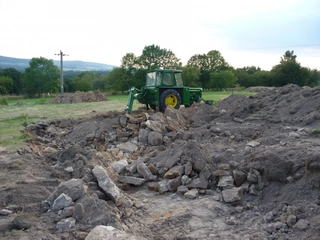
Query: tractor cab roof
[[166, 70]]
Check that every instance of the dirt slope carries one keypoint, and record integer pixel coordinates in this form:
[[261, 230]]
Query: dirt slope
[[248, 168]]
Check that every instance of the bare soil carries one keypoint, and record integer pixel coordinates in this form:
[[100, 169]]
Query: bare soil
[[78, 97], [268, 145]]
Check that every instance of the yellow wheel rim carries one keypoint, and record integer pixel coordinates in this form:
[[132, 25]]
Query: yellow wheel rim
[[171, 100]]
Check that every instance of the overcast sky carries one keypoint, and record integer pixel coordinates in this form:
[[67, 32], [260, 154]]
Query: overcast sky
[[246, 32]]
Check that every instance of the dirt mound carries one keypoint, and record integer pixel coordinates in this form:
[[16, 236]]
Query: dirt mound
[[258, 89], [245, 169], [78, 97]]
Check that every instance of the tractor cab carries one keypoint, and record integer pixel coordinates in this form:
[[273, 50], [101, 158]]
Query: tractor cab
[[161, 77]]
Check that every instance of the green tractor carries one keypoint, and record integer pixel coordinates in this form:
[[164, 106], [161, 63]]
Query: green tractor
[[164, 87]]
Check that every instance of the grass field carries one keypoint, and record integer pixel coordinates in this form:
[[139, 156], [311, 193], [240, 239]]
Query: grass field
[[21, 111]]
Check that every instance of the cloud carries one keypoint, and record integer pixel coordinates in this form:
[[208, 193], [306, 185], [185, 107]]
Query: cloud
[[104, 31]]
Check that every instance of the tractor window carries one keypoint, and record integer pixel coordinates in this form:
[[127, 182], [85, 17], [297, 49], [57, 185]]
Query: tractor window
[[179, 79], [151, 79], [167, 80], [158, 80]]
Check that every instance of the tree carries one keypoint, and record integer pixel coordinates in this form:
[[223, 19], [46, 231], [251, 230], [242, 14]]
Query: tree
[[262, 78], [130, 62], [222, 79], [42, 76], [314, 79], [118, 80], [16, 76], [83, 82], [190, 76], [6, 85], [288, 57], [154, 57], [213, 61], [290, 71]]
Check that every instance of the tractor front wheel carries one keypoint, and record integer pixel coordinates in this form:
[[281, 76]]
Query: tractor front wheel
[[170, 97]]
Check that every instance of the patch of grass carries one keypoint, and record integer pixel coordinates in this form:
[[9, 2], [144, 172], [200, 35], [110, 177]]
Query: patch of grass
[[23, 111]]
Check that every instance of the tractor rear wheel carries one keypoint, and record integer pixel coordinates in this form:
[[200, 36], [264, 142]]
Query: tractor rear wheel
[[170, 97]]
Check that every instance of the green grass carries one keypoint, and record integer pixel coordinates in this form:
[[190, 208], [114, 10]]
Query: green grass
[[23, 111]]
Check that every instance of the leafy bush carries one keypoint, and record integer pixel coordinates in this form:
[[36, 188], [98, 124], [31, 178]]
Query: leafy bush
[[3, 101]]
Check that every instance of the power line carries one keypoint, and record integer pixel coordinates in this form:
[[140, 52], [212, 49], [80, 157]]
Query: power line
[[274, 47]]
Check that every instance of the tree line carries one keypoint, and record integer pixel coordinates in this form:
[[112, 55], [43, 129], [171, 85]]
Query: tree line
[[210, 71]]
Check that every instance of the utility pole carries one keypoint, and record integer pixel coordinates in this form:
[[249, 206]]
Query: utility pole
[[61, 54]]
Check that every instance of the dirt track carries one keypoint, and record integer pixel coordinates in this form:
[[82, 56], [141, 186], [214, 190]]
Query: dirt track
[[248, 168]]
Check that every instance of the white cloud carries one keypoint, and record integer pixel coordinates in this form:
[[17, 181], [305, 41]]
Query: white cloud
[[246, 33]]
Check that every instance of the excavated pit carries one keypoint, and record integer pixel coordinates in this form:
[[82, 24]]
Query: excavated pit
[[248, 168]]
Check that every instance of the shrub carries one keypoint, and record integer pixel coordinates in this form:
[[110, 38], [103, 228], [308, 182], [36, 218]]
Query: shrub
[[3, 101]]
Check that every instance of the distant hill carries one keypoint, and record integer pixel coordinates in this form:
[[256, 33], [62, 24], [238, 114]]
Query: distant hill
[[20, 64]]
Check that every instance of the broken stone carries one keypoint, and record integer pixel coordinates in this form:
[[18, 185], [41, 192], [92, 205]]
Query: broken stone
[[192, 194], [110, 233], [163, 186], [143, 135], [153, 168], [182, 189], [291, 220], [188, 168], [61, 202], [108, 185], [253, 144], [144, 171], [155, 126], [226, 182], [155, 138], [79, 211], [49, 150], [294, 135], [232, 195], [132, 167], [173, 184], [153, 186], [73, 188], [66, 224], [119, 166], [131, 180], [128, 147], [301, 225], [5, 212], [174, 172], [198, 183], [239, 177]]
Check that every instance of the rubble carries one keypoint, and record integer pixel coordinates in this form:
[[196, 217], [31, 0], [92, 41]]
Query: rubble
[[246, 168]]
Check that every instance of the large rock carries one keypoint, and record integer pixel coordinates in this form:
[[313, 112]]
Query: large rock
[[66, 223], [143, 135], [173, 184], [61, 202], [131, 180], [107, 185], [200, 182], [155, 126], [128, 147], [232, 195], [119, 166], [155, 138], [110, 233], [239, 177], [226, 182], [174, 172], [144, 171], [192, 194], [74, 188]]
